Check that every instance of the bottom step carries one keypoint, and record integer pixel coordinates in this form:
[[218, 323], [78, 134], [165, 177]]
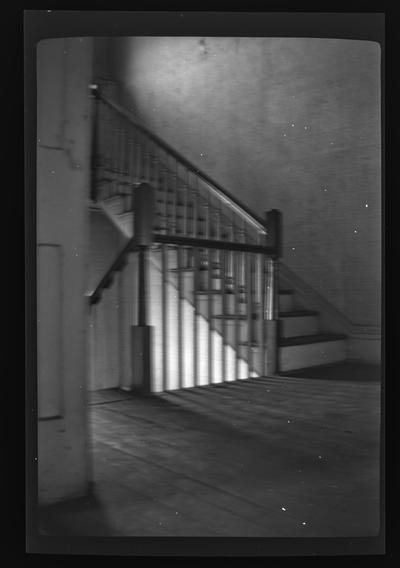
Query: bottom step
[[310, 351]]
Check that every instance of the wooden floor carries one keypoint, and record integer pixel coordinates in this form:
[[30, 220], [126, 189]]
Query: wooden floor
[[271, 457]]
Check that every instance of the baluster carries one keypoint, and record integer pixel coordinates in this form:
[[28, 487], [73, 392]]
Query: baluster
[[185, 213], [120, 186], [192, 192], [102, 149], [122, 130], [180, 326], [249, 309], [104, 137], [174, 215], [147, 162], [142, 295], [257, 296], [207, 210], [231, 236], [112, 157], [133, 160], [185, 203], [210, 317], [223, 323], [144, 160], [156, 173], [196, 311], [166, 222], [164, 307], [204, 254], [95, 150], [195, 196], [139, 158], [156, 169], [241, 285], [276, 289], [237, 319], [114, 167], [261, 308], [206, 224], [234, 275], [129, 166], [109, 174], [217, 231]]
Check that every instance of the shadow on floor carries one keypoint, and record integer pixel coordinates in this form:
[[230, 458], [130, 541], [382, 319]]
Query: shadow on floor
[[267, 457], [340, 372], [83, 516]]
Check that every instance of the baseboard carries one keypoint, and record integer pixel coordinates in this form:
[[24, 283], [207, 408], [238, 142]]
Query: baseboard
[[365, 348]]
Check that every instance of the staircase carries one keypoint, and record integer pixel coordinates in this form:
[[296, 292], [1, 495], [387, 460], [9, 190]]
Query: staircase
[[206, 267]]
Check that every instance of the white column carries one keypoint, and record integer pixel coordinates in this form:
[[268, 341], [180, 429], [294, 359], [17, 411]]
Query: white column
[[63, 178]]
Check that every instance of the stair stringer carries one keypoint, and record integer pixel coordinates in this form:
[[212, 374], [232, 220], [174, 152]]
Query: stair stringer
[[123, 221]]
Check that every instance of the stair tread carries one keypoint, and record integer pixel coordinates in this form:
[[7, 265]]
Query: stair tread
[[206, 292], [233, 316], [116, 195], [305, 339], [298, 313], [291, 314]]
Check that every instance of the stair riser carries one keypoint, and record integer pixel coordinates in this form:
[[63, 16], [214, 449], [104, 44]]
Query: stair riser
[[311, 355], [297, 326]]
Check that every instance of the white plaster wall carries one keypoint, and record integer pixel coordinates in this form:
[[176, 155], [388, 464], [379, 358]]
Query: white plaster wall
[[286, 123]]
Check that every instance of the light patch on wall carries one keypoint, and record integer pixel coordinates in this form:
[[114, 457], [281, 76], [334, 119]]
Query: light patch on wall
[[237, 108]]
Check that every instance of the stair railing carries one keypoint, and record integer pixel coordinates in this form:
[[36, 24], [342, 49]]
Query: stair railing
[[246, 271], [126, 153], [178, 207]]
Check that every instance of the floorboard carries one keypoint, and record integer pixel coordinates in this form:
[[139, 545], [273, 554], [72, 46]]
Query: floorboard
[[271, 457]]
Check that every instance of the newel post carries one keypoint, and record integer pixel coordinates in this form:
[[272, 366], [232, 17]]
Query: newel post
[[271, 314], [143, 223]]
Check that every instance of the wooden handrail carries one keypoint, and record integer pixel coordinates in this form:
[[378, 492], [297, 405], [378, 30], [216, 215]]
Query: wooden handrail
[[214, 244], [216, 189], [131, 246]]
